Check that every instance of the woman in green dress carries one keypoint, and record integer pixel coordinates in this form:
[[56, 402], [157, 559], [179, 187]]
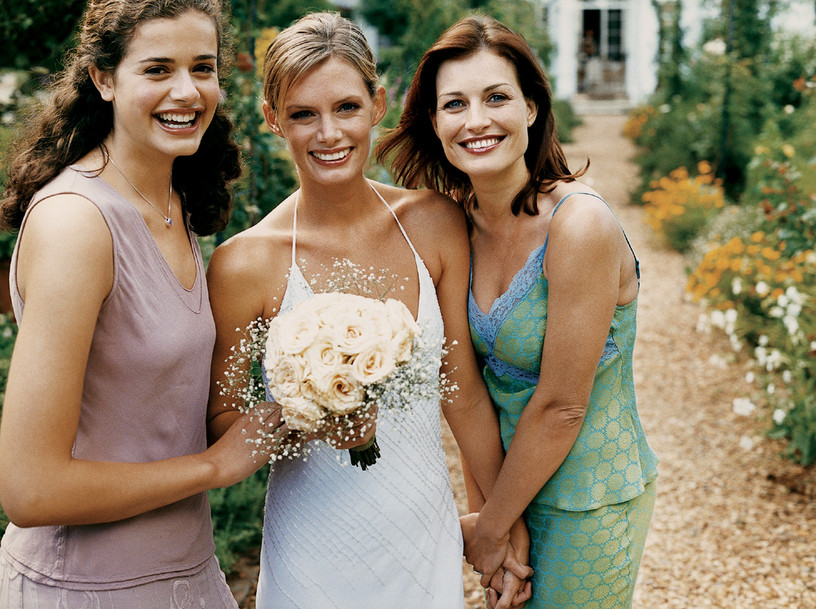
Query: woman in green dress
[[552, 307]]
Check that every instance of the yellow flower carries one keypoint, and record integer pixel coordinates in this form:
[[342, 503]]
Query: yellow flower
[[788, 150]]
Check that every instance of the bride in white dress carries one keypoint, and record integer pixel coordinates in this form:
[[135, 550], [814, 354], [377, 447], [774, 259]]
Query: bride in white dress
[[335, 536]]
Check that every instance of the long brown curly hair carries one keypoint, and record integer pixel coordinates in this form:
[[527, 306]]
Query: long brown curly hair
[[74, 119]]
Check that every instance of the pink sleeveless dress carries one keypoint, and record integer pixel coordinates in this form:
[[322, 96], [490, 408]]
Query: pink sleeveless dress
[[144, 399]]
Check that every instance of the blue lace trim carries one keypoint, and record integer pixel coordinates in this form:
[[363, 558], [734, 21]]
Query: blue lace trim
[[488, 324]]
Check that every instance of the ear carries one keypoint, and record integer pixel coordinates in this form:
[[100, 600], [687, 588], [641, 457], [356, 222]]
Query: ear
[[432, 116], [103, 81], [380, 104], [532, 112], [272, 120]]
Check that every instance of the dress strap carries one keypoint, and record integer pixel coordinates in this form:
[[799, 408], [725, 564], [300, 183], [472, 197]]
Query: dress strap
[[631, 249], [402, 230]]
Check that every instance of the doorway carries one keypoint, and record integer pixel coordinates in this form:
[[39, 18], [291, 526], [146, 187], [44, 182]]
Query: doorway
[[601, 55]]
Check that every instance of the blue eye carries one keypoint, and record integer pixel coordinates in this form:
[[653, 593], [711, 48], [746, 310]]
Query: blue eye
[[454, 104], [497, 97]]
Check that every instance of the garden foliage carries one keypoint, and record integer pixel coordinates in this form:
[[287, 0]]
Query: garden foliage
[[749, 236]]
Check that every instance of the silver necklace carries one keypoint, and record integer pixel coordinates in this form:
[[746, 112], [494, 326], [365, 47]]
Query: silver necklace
[[168, 221]]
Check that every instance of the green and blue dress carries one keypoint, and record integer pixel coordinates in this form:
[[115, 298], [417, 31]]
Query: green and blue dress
[[588, 523]]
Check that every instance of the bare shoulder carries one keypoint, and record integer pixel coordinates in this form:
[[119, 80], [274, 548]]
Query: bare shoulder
[[427, 211], [249, 269], [257, 247], [584, 216]]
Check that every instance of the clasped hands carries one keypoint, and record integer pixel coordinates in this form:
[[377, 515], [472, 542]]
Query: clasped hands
[[503, 575]]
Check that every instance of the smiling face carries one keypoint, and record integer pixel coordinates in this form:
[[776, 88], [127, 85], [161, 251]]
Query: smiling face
[[165, 90], [482, 116], [326, 117]]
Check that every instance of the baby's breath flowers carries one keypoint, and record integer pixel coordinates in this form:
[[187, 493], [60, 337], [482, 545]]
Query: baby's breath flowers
[[329, 362]]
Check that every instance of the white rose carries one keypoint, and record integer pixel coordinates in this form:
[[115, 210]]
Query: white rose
[[301, 414], [374, 363], [404, 328], [297, 329], [344, 393], [322, 356], [286, 376], [272, 349]]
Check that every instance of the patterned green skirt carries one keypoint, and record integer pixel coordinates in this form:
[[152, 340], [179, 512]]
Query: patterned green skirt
[[588, 560]]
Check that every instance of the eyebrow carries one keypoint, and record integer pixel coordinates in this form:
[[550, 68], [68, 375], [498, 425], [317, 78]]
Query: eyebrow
[[171, 60], [485, 90]]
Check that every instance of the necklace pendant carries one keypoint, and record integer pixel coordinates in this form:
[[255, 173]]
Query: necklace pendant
[[168, 222]]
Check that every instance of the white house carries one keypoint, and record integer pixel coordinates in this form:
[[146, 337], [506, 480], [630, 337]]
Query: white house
[[607, 49]]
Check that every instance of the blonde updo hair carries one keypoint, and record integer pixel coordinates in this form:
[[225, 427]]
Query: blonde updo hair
[[310, 41]]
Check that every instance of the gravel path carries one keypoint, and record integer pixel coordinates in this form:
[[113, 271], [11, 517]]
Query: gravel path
[[733, 527]]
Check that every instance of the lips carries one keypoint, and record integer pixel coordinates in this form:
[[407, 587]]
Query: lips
[[481, 144], [177, 120], [329, 157]]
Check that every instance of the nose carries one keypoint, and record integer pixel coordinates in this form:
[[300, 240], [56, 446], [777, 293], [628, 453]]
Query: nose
[[329, 129], [184, 88], [477, 118]]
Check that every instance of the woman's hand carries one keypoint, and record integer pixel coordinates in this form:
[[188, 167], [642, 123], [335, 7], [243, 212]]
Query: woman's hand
[[241, 451], [490, 556], [360, 429], [508, 591]]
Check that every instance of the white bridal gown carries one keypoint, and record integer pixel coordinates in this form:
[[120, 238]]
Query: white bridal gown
[[338, 537]]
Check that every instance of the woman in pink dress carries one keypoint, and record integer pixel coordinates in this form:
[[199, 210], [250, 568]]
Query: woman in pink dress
[[104, 461]]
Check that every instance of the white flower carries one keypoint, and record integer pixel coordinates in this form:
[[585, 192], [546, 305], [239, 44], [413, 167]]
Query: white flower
[[405, 329], [762, 288], [356, 330], [286, 375], [718, 319], [771, 388], [730, 316], [736, 286], [715, 47], [787, 377], [776, 311], [301, 414], [374, 363], [789, 109], [322, 358], [791, 323], [779, 416], [750, 377], [344, 394], [736, 343], [763, 340], [743, 407], [746, 443], [296, 329], [794, 295]]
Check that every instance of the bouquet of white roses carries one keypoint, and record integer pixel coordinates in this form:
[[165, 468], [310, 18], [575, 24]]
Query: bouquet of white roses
[[330, 357]]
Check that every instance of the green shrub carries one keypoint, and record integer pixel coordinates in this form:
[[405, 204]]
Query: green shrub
[[237, 513]]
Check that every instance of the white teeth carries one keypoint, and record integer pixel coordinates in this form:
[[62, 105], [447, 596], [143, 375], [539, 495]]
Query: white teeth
[[485, 143], [173, 119], [334, 156]]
